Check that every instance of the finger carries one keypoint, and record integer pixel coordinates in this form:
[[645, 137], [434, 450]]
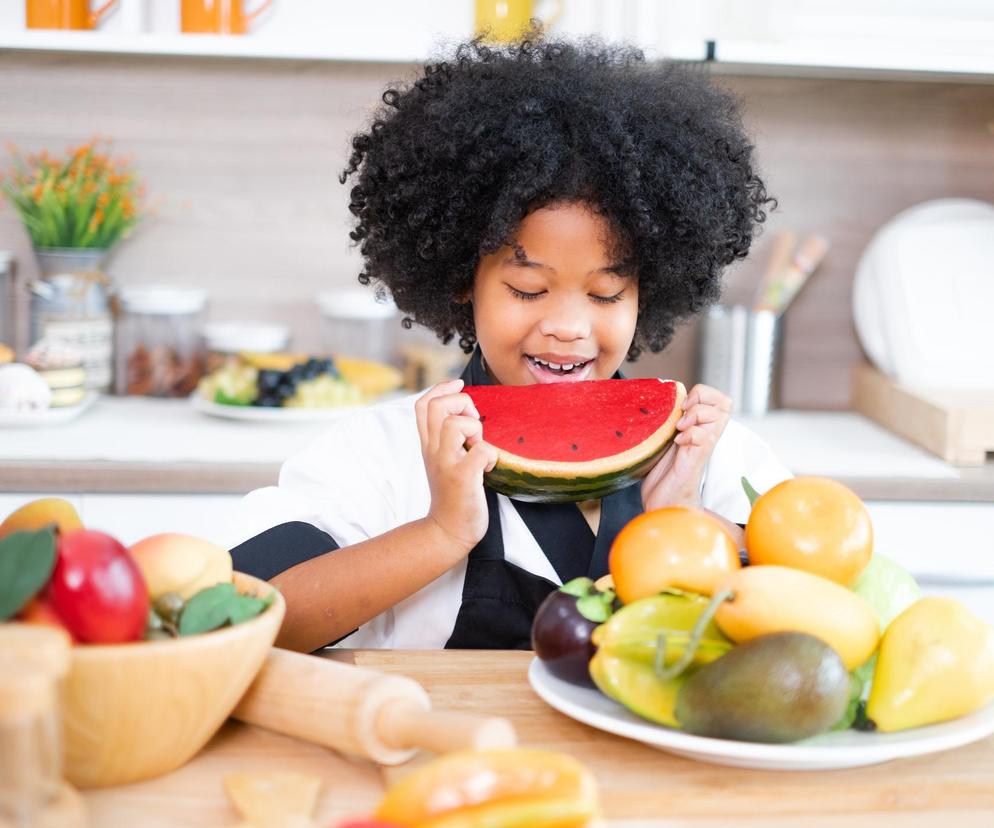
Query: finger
[[482, 457], [696, 436], [701, 414], [421, 405], [456, 432], [441, 407], [709, 396]]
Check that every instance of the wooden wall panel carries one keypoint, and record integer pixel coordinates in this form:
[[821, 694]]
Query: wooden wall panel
[[242, 157]]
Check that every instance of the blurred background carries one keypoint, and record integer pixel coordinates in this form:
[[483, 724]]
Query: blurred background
[[854, 337]]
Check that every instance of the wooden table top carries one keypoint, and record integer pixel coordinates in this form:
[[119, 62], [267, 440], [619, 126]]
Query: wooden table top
[[640, 786]]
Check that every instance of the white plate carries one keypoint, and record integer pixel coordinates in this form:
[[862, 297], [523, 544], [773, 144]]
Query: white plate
[[842, 749], [47, 416], [273, 415]]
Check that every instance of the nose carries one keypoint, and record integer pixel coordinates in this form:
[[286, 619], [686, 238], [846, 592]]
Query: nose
[[565, 318]]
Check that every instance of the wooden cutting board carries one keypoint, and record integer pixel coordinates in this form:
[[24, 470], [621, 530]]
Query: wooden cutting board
[[640, 786], [958, 426]]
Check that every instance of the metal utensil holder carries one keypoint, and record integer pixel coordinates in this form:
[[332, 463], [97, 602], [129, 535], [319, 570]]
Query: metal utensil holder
[[739, 353]]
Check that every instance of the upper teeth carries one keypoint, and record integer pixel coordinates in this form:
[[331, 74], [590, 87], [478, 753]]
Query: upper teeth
[[567, 366]]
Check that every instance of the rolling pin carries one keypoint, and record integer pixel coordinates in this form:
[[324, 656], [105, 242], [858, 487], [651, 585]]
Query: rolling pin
[[379, 716]]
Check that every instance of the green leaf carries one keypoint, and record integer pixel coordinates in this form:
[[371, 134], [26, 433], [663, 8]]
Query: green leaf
[[578, 587], [26, 563], [751, 493], [244, 608], [208, 609], [217, 606], [594, 608]]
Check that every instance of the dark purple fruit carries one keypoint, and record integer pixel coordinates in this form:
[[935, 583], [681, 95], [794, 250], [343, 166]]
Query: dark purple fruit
[[561, 638]]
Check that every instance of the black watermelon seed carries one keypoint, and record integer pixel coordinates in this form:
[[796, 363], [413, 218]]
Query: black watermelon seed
[[617, 434], [644, 410], [483, 418], [573, 446], [521, 439]]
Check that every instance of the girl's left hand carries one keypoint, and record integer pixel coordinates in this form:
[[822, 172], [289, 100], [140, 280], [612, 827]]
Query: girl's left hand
[[676, 479]]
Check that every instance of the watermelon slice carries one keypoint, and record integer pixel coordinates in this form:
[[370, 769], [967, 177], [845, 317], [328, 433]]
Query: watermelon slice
[[568, 441]]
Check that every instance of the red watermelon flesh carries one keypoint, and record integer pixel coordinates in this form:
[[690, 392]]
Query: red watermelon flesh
[[574, 421], [578, 440]]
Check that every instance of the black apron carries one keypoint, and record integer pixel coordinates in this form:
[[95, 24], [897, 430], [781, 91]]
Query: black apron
[[499, 599]]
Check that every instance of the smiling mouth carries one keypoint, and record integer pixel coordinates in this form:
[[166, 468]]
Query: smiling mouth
[[562, 369]]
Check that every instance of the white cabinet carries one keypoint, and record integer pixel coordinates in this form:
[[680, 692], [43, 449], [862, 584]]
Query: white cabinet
[[850, 37]]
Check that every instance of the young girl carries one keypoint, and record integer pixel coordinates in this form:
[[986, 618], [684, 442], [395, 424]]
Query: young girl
[[558, 208]]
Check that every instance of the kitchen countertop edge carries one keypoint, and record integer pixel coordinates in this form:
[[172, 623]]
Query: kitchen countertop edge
[[973, 485]]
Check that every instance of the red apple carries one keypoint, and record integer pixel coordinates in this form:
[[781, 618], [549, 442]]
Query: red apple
[[97, 589]]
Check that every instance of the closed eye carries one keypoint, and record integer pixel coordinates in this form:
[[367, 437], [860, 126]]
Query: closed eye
[[521, 294], [608, 300]]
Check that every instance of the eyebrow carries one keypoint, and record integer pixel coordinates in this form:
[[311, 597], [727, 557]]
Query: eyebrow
[[616, 270]]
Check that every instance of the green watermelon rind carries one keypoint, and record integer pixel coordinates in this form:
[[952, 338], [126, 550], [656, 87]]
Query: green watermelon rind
[[544, 481]]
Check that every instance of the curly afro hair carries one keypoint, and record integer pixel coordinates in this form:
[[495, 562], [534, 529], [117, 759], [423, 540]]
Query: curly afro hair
[[451, 165]]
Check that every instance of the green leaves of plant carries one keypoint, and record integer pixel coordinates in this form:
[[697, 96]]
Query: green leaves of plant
[[217, 606], [26, 563]]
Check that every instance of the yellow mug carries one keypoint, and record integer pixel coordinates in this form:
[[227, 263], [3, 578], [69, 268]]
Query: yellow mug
[[217, 16], [504, 21], [64, 14]]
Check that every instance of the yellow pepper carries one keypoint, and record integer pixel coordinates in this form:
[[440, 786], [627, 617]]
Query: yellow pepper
[[520, 788], [936, 662]]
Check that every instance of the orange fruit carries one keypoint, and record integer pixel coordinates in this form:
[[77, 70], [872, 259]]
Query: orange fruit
[[675, 547], [518, 786], [814, 524], [37, 514]]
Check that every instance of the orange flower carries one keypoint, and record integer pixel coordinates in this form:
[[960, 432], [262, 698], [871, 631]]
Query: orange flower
[[103, 199]]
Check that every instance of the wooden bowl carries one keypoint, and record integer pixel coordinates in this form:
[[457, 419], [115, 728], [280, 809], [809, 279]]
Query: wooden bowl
[[134, 711]]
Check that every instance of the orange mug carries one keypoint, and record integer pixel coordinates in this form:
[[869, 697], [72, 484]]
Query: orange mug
[[64, 14], [217, 16]]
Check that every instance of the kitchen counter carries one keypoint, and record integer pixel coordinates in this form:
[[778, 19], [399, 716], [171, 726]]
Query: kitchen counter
[[636, 782], [151, 445]]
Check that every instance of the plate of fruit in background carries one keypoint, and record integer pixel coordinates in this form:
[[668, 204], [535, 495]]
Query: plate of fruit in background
[[815, 652], [285, 387]]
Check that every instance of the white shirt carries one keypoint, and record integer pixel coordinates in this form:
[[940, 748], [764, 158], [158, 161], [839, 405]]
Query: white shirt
[[366, 475]]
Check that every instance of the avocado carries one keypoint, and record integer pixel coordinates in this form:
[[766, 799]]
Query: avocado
[[779, 687]]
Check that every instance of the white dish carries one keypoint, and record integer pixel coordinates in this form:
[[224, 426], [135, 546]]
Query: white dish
[[842, 749], [272, 415], [47, 416], [922, 293]]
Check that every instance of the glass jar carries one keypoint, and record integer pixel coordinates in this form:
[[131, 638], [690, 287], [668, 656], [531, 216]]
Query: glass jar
[[6, 300], [226, 340], [159, 349], [357, 324], [70, 304], [33, 660]]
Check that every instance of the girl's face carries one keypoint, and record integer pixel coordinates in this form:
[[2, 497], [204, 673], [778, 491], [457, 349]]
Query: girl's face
[[555, 298]]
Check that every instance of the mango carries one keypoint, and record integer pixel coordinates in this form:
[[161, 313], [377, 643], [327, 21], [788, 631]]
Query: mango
[[40, 513], [770, 599], [171, 562]]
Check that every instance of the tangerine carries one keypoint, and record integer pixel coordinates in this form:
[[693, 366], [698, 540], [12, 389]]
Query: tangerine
[[811, 523], [675, 547]]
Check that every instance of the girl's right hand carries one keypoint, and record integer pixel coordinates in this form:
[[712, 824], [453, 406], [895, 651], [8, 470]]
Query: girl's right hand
[[455, 458]]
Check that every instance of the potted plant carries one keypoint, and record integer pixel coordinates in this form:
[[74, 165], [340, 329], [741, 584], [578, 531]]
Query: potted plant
[[75, 209]]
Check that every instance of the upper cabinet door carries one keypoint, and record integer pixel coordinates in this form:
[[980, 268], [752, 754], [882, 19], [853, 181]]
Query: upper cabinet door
[[856, 37]]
